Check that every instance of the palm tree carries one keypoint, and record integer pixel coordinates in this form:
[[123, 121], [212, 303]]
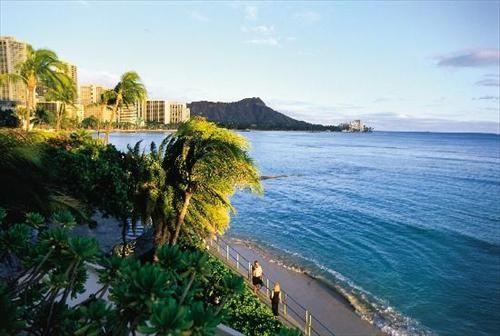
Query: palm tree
[[65, 93], [129, 90], [204, 165], [151, 197], [106, 98], [41, 67], [186, 183]]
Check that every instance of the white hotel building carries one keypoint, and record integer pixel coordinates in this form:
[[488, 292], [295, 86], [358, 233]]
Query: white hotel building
[[166, 112]]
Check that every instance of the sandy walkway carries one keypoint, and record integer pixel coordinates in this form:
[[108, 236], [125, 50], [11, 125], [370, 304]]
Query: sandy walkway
[[325, 304]]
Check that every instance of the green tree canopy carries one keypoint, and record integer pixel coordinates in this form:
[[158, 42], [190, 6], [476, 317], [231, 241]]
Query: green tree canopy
[[65, 93], [41, 67], [185, 185], [128, 91]]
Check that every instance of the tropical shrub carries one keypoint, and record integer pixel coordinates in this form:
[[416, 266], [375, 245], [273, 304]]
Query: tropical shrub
[[243, 312], [89, 170], [24, 180], [89, 123], [44, 116], [164, 298], [9, 118]]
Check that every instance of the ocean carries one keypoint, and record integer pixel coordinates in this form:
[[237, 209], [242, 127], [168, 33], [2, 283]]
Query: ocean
[[406, 225]]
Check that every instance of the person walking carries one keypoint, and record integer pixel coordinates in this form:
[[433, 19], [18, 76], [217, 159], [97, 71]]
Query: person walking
[[276, 299], [257, 275]]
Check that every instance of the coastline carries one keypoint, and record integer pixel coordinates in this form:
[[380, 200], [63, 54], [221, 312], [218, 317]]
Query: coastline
[[326, 303]]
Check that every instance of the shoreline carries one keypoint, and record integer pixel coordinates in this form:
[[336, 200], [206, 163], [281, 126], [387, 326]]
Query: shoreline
[[349, 306], [325, 302]]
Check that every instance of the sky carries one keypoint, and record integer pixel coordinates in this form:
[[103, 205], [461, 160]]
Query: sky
[[401, 66]]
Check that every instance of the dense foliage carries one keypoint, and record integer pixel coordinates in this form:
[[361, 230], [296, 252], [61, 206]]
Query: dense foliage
[[185, 292], [165, 298], [41, 68], [243, 311], [24, 177], [89, 170], [90, 123]]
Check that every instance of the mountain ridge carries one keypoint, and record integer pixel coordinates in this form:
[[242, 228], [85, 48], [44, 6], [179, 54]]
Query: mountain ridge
[[250, 113]]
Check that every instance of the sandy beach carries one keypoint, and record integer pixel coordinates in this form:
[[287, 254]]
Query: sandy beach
[[324, 303]]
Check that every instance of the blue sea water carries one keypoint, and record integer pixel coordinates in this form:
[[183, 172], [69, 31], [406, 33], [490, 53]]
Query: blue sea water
[[407, 224]]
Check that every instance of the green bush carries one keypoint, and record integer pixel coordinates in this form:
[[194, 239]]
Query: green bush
[[244, 311], [164, 298], [89, 170]]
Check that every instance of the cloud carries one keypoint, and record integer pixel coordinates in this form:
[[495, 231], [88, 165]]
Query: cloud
[[314, 112], [489, 80], [262, 29], [269, 41], [104, 78], [198, 16], [307, 16], [251, 12], [396, 122], [487, 98], [165, 91], [381, 121], [471, 58]]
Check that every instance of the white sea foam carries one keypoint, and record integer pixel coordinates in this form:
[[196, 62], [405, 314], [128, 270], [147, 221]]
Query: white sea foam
[[369, 307]]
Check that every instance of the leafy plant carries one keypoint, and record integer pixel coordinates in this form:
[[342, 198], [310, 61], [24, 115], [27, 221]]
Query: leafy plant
[[128, 91], [40, 68]]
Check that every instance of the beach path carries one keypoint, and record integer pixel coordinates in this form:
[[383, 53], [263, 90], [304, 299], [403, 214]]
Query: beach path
[[332, 313]]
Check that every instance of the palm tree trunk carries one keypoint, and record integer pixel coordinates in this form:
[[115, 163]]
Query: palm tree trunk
[[99, 117], [159, 227], [124, 236], [113, 117], [181, 216], [30, 105], [59, 117]]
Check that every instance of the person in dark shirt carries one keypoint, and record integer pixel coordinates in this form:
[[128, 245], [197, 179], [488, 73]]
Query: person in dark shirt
[[276, 299]]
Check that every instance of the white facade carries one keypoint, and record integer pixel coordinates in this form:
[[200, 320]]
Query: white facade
[[91, 94], [166, 112], [12, 52]]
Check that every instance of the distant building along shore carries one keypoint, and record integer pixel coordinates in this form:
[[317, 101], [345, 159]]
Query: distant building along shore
[[165, 112], [11, 53], [89, 95], [248, 113]]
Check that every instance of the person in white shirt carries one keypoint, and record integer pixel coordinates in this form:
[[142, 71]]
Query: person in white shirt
[[257, 275]]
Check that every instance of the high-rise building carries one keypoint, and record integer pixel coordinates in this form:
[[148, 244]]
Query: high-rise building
[[166, 112], [72, 72], [179, 112], [12, 52], [157, 110], [133, 113], [102, 113], [356, 126], [91, 94]]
